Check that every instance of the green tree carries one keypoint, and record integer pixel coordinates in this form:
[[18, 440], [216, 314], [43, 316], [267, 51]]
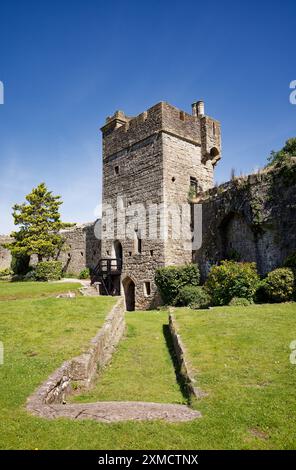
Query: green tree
[[288, 151], [39, 223]]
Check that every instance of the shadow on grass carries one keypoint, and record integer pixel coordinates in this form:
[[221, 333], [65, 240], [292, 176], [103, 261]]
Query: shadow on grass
[[179, 376]]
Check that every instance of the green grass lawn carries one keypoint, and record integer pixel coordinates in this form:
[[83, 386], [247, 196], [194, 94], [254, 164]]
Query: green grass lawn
[[142, 367], [241, 358], [25, 290]]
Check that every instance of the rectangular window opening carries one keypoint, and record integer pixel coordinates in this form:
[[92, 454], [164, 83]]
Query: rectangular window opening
[[147, 288], [193, 186]]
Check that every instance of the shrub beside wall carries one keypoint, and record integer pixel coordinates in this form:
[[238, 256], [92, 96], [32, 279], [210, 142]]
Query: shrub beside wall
[[84, 274], [231, 279], [5, 272], [193, 297], [171, 279], [48, 271], [279, 285]]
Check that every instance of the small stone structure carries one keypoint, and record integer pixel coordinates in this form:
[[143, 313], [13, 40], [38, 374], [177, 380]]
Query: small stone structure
[[82, 369], [183, 363], [82, 248], [49, 401]]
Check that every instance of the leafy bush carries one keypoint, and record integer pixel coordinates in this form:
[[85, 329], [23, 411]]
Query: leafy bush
[[239, 302], [48, 271], [290, 261], [279, 285], [5, 272], [231, 279], [194, 297], [171, 279], [20, 264], [84, 274], [261, 296]]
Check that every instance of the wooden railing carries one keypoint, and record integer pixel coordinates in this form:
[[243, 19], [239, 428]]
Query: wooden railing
[[106, 266]]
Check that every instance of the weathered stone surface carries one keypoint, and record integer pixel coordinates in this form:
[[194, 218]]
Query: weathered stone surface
[[5, 256], [82, 369], [185, 369], [49, 401], [149, 160], [68, 295], [251, 218], [82, 249], [109, 412]]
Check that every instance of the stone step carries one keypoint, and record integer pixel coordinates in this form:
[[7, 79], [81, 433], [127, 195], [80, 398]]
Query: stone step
[[110, 412], [91, 291]]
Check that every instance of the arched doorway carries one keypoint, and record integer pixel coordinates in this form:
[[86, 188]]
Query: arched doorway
[[129, 293], [238, 239]]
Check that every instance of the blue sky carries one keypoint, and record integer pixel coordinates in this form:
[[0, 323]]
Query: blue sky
[[66, 65]]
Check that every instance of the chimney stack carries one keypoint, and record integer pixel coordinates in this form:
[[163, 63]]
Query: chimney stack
[[198, 108]]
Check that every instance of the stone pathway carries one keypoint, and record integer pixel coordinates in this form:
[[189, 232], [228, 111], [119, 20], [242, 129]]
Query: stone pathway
[[111, 412]]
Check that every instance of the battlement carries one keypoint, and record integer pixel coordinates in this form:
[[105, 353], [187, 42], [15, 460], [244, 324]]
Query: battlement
[[121, 131]]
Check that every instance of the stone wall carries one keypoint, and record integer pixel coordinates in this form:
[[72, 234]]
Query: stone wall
[[82, 369], [183, 362], [82, 248], [5, 256], [251, 218], [148, 160]]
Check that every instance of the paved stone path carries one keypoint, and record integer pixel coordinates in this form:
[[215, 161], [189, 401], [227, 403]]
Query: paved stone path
[[110, 412]]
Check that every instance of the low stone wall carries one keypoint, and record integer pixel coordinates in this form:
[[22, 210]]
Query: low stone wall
[[185, 371], [5, 256], [81, 369]]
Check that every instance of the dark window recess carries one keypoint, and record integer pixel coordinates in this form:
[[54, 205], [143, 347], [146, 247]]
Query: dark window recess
[[116, 170], [151, 252], [147, 288], [192, 217], [130, 253], [139, 245], [138, 242], [173, 179], [108, 253], [193, 186], [81, 252]]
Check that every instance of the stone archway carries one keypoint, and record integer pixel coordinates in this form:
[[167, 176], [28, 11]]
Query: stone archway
[[129, 293], [238, 238]]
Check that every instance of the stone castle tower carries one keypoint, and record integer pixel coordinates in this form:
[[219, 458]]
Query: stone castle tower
[[151, 163]]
